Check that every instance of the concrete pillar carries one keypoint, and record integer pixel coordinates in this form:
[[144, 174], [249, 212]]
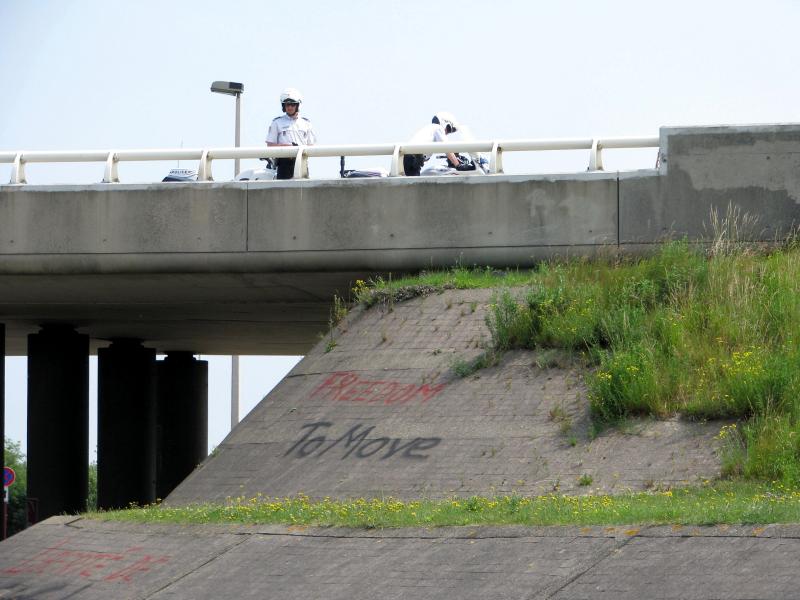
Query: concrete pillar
[[126, 425], [182, 418], [58, 421]]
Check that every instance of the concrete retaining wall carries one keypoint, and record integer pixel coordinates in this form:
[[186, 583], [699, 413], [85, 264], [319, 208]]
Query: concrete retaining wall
[[753, 169]]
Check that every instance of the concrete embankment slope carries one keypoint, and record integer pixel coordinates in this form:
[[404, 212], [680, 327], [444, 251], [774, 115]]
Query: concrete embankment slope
[[376, 410]]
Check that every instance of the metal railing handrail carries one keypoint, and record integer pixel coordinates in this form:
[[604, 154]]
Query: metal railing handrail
[[205, 156]]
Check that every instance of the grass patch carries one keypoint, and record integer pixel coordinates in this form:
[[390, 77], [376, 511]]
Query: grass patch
[[388, 291], [730, 503]]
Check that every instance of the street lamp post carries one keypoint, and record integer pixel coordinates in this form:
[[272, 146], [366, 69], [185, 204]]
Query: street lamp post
[[231, 88]]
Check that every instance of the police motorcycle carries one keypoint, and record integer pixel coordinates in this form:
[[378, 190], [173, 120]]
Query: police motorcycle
[[437, 165], [469, 164], [267, 172], [181, 175], [184, 175]]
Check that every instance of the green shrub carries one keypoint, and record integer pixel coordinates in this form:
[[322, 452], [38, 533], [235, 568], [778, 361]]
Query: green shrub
[[510, 323], [676, 270], [772, 452], [624, 385], [565, 316], [751, 382]]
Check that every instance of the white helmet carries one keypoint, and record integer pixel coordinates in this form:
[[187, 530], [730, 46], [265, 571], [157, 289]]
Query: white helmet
[[444, 119], [291, 95]]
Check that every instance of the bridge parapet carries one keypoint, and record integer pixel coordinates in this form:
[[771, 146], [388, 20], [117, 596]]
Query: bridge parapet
[[301, 154]]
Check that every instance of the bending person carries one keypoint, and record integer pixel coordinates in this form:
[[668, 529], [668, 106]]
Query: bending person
[[442, 125]]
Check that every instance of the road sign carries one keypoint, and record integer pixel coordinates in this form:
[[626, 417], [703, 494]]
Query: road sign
[[8, 476]]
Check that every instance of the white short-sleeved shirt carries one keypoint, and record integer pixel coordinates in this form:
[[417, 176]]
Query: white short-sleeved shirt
[[430, 133], [286, 130]]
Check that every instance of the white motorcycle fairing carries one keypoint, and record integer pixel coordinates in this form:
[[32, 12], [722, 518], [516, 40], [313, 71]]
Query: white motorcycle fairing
[[438, 165]]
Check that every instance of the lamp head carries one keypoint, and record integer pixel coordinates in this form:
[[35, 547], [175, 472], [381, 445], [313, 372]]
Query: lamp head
[[227, 87]]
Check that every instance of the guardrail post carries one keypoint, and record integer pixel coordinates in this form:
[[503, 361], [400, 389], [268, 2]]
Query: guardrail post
[[595, 158], [204, 168], [18, 170], [111, 174], [496, 160], [301, 164], [397, 169]]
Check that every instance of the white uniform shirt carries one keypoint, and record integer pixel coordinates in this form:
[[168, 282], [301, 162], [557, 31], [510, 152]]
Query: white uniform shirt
[[430, 133], [286, 130]]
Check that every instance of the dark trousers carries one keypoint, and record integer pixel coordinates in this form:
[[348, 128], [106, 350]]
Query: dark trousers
[[412, 164], [285, 168]]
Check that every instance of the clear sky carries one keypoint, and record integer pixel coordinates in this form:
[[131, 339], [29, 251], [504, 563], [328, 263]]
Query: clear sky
[[111, 74]]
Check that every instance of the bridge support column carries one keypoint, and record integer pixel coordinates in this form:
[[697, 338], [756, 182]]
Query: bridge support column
[[126, 425], [58, 421], [182, 418]]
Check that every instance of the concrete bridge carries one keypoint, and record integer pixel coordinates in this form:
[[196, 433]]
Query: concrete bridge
[[251, 268]]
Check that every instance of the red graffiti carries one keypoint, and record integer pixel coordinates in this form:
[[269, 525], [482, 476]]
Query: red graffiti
[[57, 560], [345, 386]]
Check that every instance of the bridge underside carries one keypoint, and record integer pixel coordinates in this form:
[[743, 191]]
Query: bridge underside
[[205, 313]]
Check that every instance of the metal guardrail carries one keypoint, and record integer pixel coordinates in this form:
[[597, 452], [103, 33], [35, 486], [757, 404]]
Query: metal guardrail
[[205, 156]]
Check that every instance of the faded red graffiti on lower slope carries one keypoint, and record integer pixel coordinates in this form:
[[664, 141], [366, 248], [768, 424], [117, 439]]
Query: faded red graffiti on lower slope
[[107, 566]]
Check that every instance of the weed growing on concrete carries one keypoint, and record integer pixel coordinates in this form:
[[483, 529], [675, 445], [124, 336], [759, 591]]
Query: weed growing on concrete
[[464, 368], [338, 311], [732, 450], [335, 316], [557, 413], [560, 416], [585, 480], [549, 358]]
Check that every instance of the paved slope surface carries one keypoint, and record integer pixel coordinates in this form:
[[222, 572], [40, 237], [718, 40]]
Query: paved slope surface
[[376, 410], [66, 557]]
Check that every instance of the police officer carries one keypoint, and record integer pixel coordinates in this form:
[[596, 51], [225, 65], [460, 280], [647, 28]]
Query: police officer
[[290, 129], [442, 125]]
